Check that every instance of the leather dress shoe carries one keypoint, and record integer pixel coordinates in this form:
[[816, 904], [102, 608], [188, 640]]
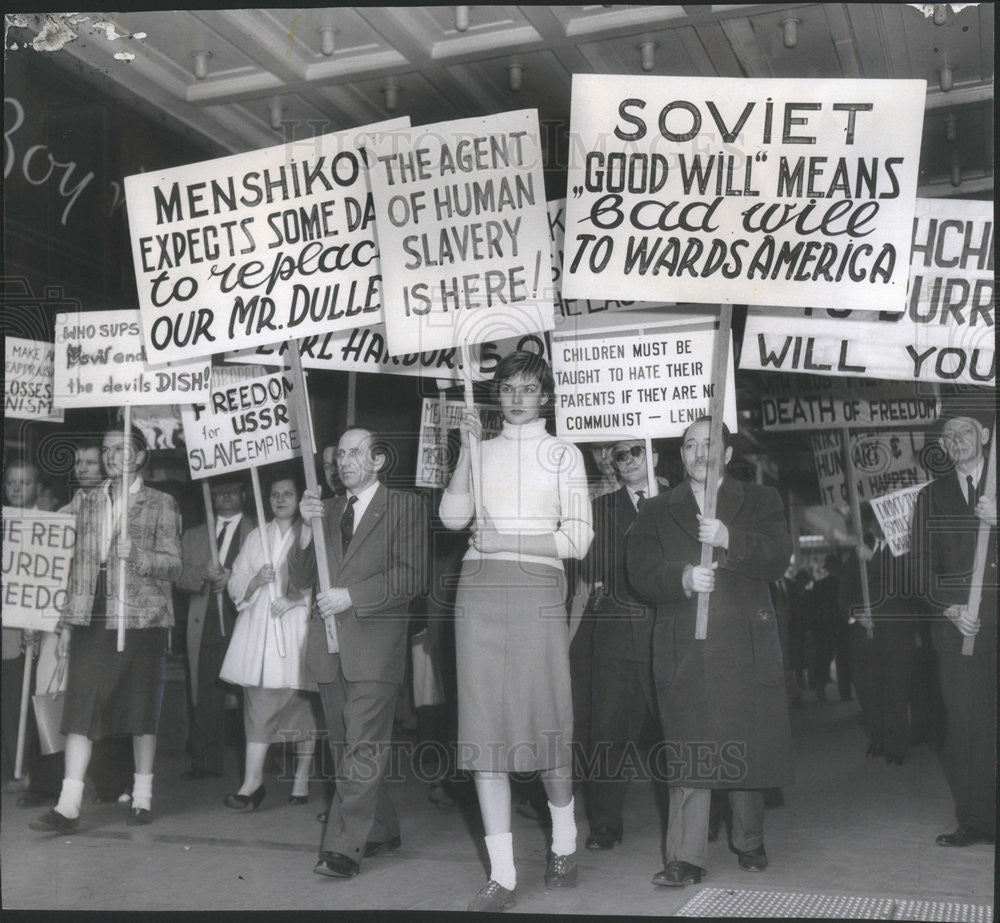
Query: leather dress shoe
[[603, 838], [322, 816], [336, 865], [54, 822], [677, 874], [492, 898], [139, 817], [195, 774], [964, 836], [373, 848], [560, 872], [35, 800], [753, 860]]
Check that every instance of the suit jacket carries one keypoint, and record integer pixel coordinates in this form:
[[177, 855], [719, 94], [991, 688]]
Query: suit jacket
[[202, 617], [722, 700], [384, 567], [623, 624], [943, 546]]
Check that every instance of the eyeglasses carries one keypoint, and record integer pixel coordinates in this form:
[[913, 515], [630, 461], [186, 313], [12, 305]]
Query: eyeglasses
[[622, 455]]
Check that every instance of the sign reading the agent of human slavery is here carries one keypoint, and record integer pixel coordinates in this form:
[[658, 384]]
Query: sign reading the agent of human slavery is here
[[628, 384], [256, 247], [245, 424], [462, 210], [801, 402], [946, 334], [27, 380], [101, 361], [773, 191], [37, 549]]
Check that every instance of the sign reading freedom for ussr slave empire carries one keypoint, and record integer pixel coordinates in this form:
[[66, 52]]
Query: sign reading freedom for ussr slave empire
[[754, 191], [256, 247]]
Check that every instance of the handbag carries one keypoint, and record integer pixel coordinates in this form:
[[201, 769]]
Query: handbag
[[49, 712]]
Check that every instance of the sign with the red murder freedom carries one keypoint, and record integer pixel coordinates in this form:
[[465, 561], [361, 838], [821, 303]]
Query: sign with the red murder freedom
[[947, 333], [100, 360], [777, 191], [461, 207], [256, 247], [27, 380]]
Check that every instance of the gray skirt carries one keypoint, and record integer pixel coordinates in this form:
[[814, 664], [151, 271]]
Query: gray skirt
[[273, 716], [515, 709]]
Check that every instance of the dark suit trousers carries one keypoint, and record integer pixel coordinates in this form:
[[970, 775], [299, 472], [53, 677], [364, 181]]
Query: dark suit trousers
[[882, 673], [581, 657], [359, 720], [207, 742], [622, 709], [969, 687]]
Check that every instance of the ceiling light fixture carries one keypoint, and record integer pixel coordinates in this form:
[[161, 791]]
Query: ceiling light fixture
[[461, 18], [514, 75], [201, 63], [956, 168], [390, 96], [950, 127], [274, 111], [940, 14], [790, 31], [647, 55], [946, 77], [328, 40]]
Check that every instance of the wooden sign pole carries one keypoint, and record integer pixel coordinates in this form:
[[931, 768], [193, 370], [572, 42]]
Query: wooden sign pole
[[352, 398], [470, 404], [982, 545], [717, 452], [22, 723], [651, 485], [279, 632], [213, 548], [127, 457], [852, 490]]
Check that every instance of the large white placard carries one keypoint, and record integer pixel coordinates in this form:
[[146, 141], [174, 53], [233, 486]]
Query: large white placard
[[27, 380], [256, 247], [630, 384], [100, 361], [883, 462], [244, 425], [946, 334], [895, 515], [37, 550], [782, 191], [461, 207]]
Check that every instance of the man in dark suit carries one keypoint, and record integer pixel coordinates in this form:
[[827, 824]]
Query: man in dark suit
[[622, 704], [946, 522], [722, 699], [356, 651], [207, 638]]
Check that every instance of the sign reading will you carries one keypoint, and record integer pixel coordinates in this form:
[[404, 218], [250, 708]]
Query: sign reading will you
[[754, 191], [100, 361]]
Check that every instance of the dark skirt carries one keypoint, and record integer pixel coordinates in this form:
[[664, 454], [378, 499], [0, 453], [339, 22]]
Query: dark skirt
[[280, 715], [110, 692], [515, 708]]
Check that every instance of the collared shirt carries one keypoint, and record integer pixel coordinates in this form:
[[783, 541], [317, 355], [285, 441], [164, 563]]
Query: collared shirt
[[976, 474], [364, 499], [633, 495], [111, 521], [220, 522]]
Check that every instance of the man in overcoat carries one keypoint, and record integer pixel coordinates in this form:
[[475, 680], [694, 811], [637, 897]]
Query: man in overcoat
[[722, 700]]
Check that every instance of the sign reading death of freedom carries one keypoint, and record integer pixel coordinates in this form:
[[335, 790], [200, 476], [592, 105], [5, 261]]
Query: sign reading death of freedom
[[779, 191], [461, 208], [946, 334], [256, 247], [100, 361]]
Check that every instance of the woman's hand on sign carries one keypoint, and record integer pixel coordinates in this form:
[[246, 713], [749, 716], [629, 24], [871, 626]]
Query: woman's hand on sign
[[124, 550], [487, 539], [986, 510], [698, 579], [264, 576], [470, 424], [713, 532], [280, 606], [62, 648], [960, 617]]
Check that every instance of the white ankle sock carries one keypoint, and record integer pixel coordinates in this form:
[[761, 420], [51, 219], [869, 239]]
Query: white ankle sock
[[142, 791], [563, 829], [70, 798], [500, 846]]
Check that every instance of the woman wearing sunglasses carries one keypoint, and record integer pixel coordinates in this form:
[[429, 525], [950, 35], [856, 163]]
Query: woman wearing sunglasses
[[511, 633]]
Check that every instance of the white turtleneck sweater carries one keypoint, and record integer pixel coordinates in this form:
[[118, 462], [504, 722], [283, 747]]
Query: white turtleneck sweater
[[531, 483]]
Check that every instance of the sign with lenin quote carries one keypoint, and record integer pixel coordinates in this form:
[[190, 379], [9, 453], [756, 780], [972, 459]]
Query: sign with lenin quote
[[773, 191], [256, 247], [462, 210]]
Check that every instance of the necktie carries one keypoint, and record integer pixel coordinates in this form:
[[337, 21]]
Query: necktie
[[221, 540], [640, 498], [347, 524], [971, 492]]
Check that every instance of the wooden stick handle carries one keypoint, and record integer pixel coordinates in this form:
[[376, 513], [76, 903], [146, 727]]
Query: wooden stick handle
[[852, 491], [279, 634], [982, 546], [22, 723], [474, 456], [123, 522], [717, 452], [213, 549]]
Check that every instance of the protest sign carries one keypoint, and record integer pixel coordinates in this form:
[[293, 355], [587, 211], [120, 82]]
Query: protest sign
[[436, 418], [630, 384], [722, 189], [28, 370], [883, 462], [894, 513], [100, 361], [256, 247], [37, 550], [801, 403], [243, 425], [462, 209]]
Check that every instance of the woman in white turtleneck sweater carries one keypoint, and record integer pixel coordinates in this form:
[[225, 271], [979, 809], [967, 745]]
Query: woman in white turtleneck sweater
[[512, 638]]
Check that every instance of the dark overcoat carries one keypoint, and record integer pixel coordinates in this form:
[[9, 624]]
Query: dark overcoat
[[722, 700]]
